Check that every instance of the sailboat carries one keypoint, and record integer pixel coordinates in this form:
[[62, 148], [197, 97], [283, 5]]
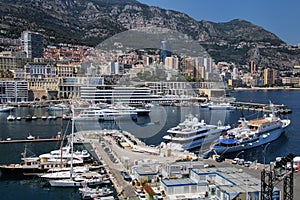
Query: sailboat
[[77, 179], [53, 161], [11, 117]]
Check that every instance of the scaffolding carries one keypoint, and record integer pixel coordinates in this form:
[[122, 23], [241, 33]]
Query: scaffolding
[[281, 171]]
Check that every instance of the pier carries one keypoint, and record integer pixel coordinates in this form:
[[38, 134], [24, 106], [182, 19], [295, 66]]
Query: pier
[[117, 157], [281, 109], [30, 140], [112, 154]]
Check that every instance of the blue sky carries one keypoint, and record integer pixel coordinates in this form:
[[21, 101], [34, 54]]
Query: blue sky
[[281, 17]]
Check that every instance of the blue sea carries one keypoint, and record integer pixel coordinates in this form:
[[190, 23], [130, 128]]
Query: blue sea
[[149, 129]]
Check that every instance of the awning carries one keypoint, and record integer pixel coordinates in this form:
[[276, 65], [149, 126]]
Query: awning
[[227, 141]]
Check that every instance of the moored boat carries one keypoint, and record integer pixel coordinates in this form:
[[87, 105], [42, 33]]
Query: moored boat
[[44, 117], [65, 173], [58, 107], [28, 117], [54, 160], [112, 114], [6, 108], [30, 137], [91, 193], [11, 117], [190, 134], [77, 180], [250, 134], [220, 106]]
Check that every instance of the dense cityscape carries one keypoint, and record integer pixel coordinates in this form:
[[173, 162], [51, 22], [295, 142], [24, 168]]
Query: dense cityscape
[[149, 113], [58, 72]]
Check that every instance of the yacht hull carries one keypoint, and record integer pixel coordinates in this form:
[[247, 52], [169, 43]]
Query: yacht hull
[[249, 145], [77, 183]]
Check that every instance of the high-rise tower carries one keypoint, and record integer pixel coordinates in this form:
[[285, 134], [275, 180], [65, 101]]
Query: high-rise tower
[[165, 50], [32, 44]]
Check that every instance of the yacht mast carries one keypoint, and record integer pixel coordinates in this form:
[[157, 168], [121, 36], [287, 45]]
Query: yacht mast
[[72, 139]]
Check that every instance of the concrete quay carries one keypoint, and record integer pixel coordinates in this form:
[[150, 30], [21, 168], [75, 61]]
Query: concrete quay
[[113, 166], [112, 156], [255, 170]]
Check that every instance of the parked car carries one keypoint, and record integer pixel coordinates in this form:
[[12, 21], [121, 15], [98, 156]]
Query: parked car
[[241, 161], [235, 161], [209, 166], [126, 176], [247, 163], [220, 158]]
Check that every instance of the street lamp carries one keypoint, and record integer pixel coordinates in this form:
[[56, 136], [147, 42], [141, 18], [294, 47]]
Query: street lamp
[[239, 154], [264, 153]]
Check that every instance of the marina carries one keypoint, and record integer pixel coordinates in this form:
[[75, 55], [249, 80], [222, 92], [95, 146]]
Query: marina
[[282, 109], [118, 149], [35, 139]]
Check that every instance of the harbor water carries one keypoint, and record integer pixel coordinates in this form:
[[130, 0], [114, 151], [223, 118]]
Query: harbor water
[[149, 129]]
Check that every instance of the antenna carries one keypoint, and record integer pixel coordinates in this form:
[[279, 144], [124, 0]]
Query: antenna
[[272, 107]]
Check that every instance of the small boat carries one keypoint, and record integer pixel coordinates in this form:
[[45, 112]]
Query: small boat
[[8, 138], [11, 117], [58, 107], [28, 118], [90, 193], [44, 117], [220, 106], [30, 137], [104, 198], [52, 117], [19, 118], [34, 117]]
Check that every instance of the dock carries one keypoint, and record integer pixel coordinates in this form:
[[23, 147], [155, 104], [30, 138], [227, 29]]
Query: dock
[[111, 154], [117, 157], [32, 140], [281, 109]]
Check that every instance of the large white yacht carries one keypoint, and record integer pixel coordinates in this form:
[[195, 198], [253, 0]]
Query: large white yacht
[[127, 108], [113, 114], [60, 158], [105, 114], [190, 134], [250, 134], [6, 108]]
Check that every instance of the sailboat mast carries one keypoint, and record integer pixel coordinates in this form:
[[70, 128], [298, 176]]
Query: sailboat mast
[[72, 138], [61, 135]]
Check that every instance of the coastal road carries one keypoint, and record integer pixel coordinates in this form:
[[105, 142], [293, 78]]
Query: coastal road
[[124, 188]]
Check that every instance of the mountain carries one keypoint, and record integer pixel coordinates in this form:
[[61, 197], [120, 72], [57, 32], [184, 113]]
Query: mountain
[[92, 21]]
